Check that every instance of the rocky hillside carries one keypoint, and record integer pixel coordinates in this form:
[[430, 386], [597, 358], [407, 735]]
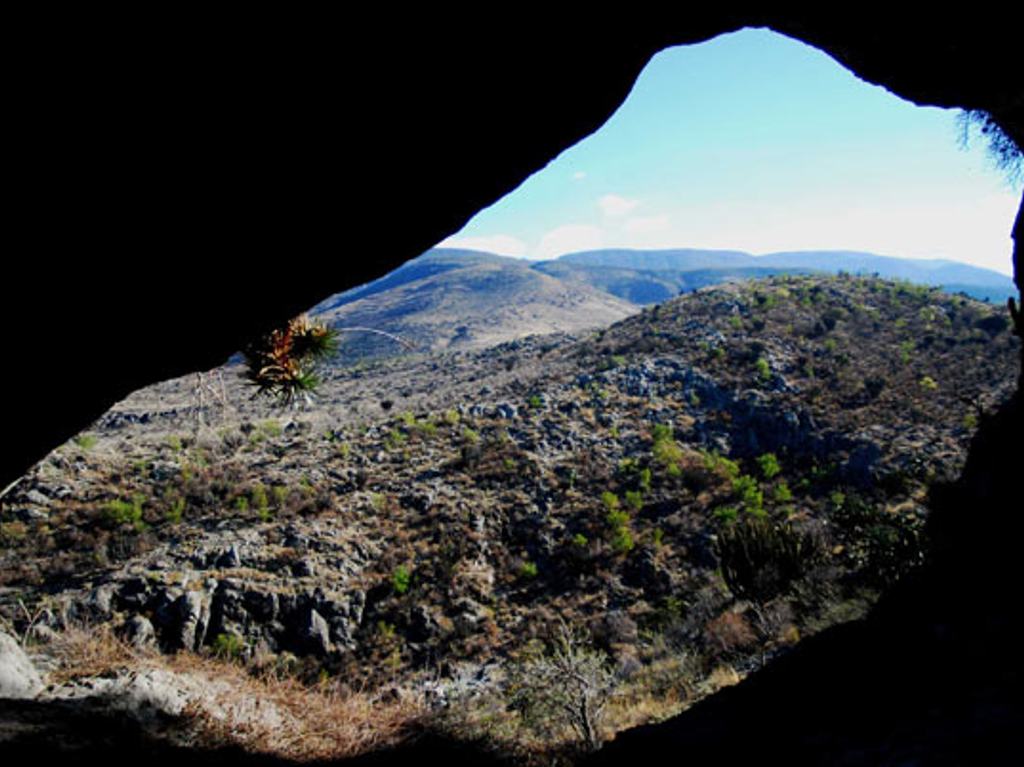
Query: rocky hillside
[[449, 299], [690, 491]]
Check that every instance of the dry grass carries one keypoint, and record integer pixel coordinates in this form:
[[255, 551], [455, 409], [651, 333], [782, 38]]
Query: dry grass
[[659, 691], [305, 723], [81, 653], [721, 676], [487, 721]]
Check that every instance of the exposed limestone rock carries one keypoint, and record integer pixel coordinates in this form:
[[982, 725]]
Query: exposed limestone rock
[[18, 677], [152, 696], [315, 634], [182, 623], [139, 632]]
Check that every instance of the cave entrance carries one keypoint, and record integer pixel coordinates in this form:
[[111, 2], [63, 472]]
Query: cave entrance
[[664, 448]]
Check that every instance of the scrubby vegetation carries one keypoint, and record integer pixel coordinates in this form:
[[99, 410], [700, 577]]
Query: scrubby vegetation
[[687, 495]]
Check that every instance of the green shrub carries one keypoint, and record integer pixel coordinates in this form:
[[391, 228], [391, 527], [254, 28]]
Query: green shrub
[[85, 441], [175, 511], [667, 452], [425, 428], [838, 500], [645, 479], [782, 493], [258, 496], [622, 540], [764, 372], [228, 646], [580, 540], [121, 512], [749, 494], [610, 500], [627, 466], [394, 439], [634, 499], [727, 514], [617, 518], [769, 465], [385, 630], [400, 579], [720, 464], [661, 432], [528, 570], [271, 428]]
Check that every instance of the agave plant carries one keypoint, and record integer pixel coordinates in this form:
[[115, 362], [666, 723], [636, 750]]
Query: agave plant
[[282, 363]]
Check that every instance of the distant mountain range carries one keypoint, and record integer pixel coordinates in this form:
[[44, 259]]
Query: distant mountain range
[[450, 298], [648, 275]]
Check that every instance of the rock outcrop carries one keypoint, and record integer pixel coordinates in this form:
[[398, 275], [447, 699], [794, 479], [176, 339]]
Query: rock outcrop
[[18, 677]]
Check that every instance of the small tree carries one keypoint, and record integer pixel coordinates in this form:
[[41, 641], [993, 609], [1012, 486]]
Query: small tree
[[569, 685]]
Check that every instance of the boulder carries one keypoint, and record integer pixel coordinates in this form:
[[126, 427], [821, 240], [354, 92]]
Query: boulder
[[423, 624], [139, 632], [37, 498], [18, 677], [315, 634], [470, 616], [184, 621], [230, 558], [614, 629]]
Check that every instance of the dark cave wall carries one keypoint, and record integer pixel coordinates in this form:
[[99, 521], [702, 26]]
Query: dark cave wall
[[184, 183]]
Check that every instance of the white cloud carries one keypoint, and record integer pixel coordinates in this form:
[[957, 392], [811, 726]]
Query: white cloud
[[569, 238], [579, 175], [502, 244], [646, 224], [614, 205]]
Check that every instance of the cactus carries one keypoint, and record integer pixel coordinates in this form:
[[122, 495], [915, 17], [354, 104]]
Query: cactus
[[760, 558]]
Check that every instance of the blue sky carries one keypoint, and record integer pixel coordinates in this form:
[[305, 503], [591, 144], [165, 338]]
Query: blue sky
[[757, 142]]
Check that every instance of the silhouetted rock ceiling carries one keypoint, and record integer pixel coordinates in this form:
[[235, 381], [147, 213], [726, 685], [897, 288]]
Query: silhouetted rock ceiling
[[183, 183]]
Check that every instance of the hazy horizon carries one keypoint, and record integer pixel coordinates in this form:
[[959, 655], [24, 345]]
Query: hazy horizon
[[450, 244], [759, 143]]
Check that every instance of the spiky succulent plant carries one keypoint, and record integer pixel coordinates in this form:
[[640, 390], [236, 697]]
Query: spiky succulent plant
[[282, 363]]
